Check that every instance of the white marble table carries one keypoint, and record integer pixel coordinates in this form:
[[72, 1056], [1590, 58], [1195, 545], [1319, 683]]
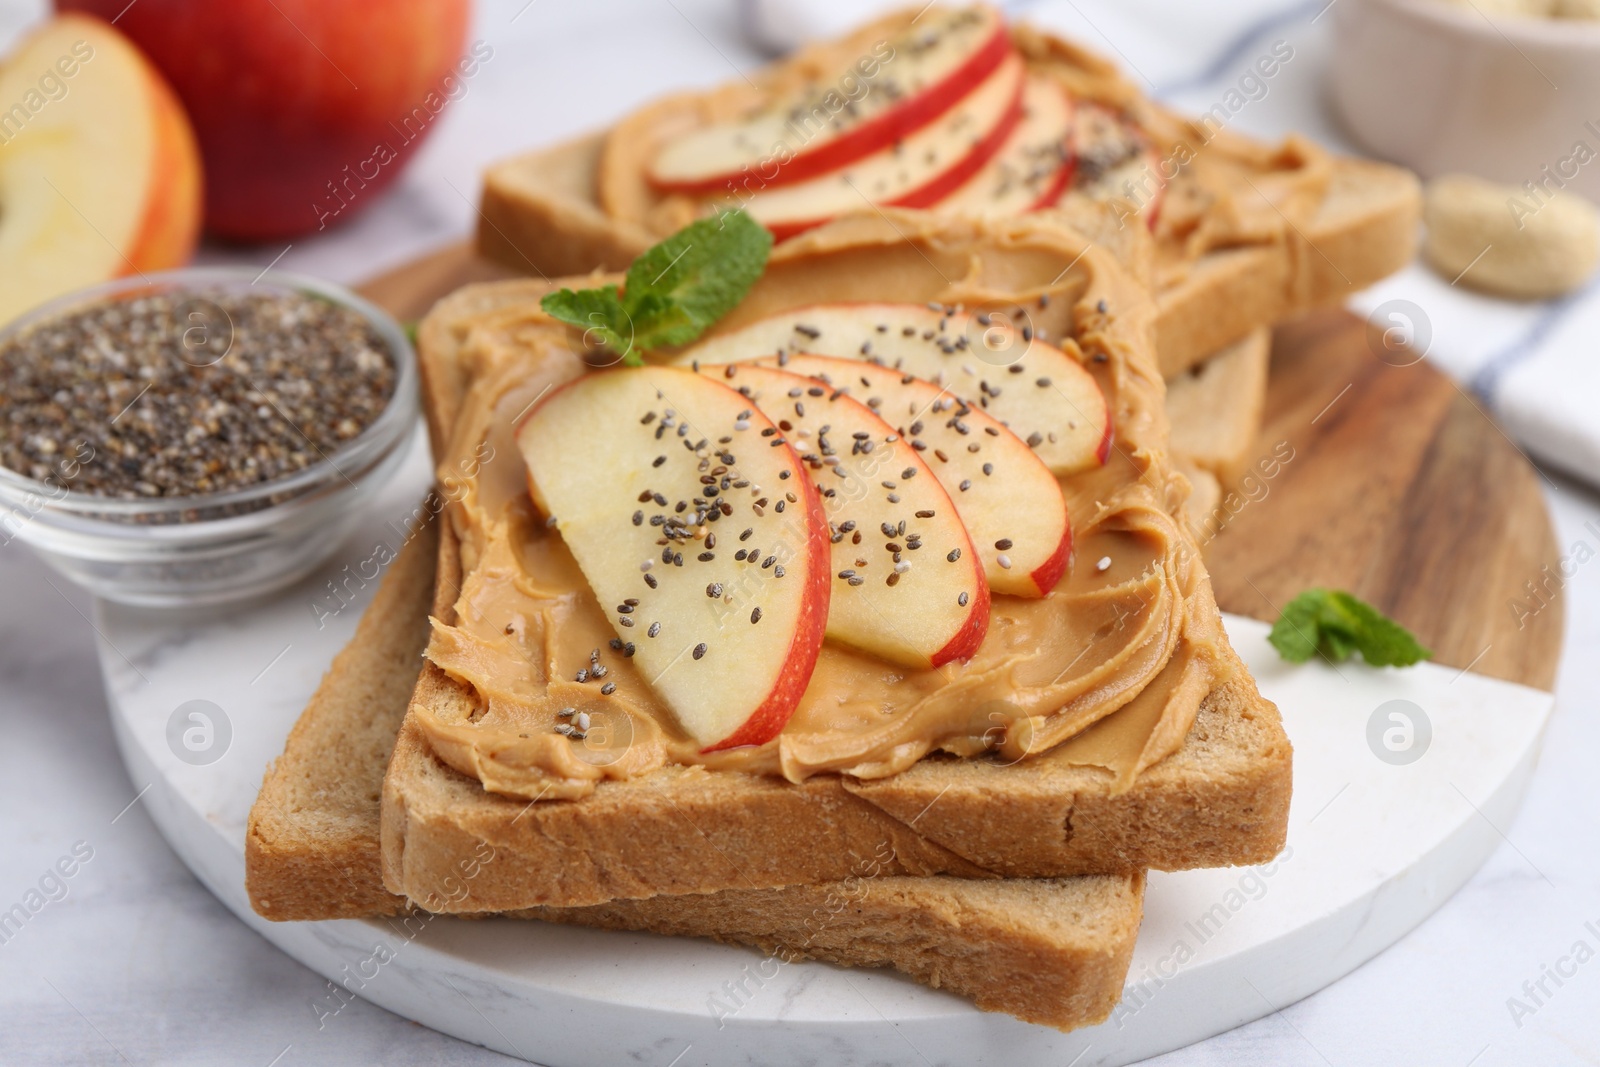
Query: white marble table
[[136, 962]]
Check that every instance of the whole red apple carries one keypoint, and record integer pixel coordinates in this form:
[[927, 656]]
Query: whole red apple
[[305, 109]]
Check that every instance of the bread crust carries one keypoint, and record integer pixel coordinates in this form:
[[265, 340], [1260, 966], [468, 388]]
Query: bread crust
[[311, 847], [1048, 951]]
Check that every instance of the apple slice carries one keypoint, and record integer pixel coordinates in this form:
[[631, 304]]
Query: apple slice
[[907, 82], [662, 482], [1043, 394], [1033, 166], [1113, 158], [1011, 504], [907, 583], [917, 172], [99, 174]]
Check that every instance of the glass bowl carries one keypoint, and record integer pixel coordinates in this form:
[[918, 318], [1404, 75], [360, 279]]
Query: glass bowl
[[217, 547]]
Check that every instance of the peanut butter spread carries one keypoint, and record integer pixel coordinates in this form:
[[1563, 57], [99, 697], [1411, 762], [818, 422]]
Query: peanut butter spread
[[1217, 190], [1110, 667]]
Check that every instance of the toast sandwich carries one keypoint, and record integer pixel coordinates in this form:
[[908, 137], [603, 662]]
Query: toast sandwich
[[1049, 951], [1197, 773], [951, 111]]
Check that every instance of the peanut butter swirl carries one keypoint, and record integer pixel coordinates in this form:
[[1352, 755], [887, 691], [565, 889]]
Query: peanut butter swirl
[[1112, 664]]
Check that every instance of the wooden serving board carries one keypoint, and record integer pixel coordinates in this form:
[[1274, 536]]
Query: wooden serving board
[[1398, 488]]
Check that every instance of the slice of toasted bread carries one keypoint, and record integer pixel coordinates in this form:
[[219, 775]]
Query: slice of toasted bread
[[1046, 950], [1221, 798], [538, 214], [1262, 233], [311, 845], [1050, 951], [1215, 408]]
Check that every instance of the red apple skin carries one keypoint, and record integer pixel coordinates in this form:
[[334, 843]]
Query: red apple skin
[[1047, 574], [1153, 214], [972, 163], [1157, 200], [964, 645], [268, 87], [893, 124], [171, 227], [1103, 453], [1059, 184], [805, 646], [1062, 180], [941, 186]]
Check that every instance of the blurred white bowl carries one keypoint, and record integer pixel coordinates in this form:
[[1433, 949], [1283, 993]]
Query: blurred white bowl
[[1439, 88]]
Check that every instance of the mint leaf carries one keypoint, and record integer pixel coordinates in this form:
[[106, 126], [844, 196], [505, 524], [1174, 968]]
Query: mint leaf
[[599, 314], [660, 321], [674, 291], [1381, 641], [1296, 633], [1334, 624], [683, 285]]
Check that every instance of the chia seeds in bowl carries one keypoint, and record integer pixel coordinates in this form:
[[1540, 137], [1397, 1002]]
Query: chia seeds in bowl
[[188, 392], [198, 435]]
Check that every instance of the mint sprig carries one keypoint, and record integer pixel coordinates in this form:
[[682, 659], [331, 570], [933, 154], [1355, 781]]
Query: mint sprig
[[673, 292], [598, 313], [1334, 624]]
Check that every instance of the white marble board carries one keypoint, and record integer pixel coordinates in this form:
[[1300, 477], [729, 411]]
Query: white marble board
[[1390, 817]]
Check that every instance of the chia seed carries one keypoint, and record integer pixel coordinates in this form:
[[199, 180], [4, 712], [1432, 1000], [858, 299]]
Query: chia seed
[[189, 392]]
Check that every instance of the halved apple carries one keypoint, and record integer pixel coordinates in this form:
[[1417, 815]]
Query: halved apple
[[905, 83], [1113, 158], [1011, 504], [1043, 394], [663, 483], [907, 583], [1033, 166], [918, 171], [99, 173]]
